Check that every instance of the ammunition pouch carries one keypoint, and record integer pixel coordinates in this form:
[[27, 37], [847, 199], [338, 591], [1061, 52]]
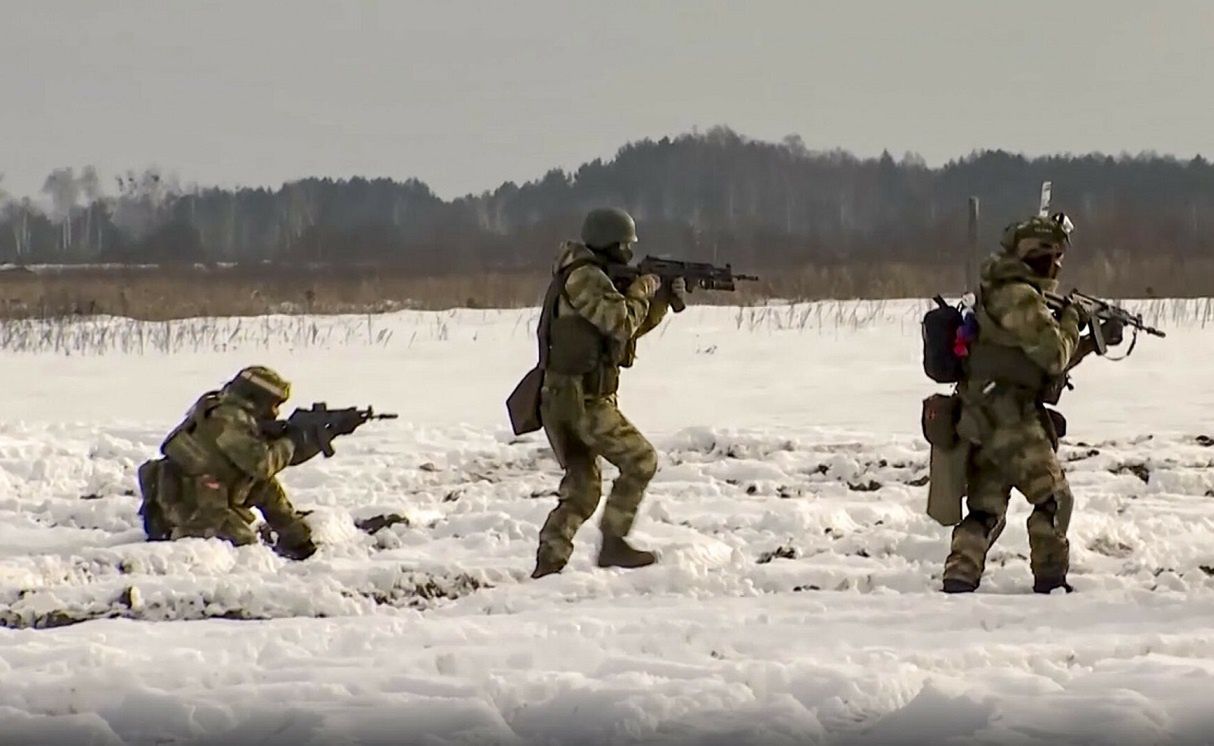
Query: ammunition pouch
[[1008, 366], [576, 347], [1011, 367], [604, 381], [939, 420], [185, 451]]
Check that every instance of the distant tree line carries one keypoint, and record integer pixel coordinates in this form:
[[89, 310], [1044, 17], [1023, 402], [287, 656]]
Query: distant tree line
[[705, 195]]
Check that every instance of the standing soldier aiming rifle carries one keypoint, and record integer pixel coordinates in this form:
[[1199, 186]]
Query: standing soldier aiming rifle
[[592, 330], [595, 309], [1015, 364]]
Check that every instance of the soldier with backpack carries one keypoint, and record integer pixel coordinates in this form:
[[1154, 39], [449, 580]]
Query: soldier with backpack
[[1011, 360]]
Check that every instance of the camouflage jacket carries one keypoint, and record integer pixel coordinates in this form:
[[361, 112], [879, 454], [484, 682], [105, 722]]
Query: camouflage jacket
[[1022, 353], [1012, 313], [613, 320], [221, 436], [590, 293]]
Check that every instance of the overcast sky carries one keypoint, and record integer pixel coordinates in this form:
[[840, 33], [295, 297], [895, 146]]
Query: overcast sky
[[467, 95]]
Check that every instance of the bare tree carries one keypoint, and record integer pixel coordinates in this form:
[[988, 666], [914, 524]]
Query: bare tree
[[64, 190]]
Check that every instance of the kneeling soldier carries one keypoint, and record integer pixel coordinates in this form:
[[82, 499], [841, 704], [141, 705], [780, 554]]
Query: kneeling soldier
[[219, 464]]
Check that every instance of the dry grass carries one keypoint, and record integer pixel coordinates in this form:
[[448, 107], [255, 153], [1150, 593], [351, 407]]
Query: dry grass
[[161, 293], [93, 335]]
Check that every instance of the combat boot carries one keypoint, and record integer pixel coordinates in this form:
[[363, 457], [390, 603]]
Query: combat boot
[[294, 540], [297, 551], [617, 552], [1049, 585], [547, 562], [956, 585]]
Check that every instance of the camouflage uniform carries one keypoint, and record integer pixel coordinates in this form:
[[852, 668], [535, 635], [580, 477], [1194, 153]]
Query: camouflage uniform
[[1004, 417], [218, 466], [594, 334]]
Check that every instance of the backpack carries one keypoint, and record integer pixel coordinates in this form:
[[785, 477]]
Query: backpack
[[947, 334]]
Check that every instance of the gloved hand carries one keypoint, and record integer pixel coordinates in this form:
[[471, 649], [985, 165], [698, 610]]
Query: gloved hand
[[1073, 313], [673, 294], [1113, 331], [678, 292], [306, 443], [645, 287], [298, 551], [295, 539]]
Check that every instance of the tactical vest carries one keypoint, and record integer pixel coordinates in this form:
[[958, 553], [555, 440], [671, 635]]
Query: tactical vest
[[996, 357], [571, 345], [192, 446]]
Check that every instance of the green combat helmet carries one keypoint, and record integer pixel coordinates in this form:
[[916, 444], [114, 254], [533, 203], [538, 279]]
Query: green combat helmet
[[610, 231], [1039, 242], [262, 386]]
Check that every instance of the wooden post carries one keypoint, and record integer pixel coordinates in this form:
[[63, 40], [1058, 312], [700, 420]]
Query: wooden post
[[973, 254]]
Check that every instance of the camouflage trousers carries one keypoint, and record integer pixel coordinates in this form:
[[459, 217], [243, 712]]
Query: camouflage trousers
[[177, 506], [579, 435], [1018, 455]]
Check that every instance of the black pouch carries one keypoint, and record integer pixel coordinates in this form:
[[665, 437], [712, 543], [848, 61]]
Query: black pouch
[[939, 421], [523, 404], [1055, 425], [184, 450]]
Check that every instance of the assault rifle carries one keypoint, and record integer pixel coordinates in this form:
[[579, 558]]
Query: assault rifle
[[325, 423], [696, 274], [1102, 310]]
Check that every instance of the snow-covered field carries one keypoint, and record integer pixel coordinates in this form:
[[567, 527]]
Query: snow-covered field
[[796, 598]]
